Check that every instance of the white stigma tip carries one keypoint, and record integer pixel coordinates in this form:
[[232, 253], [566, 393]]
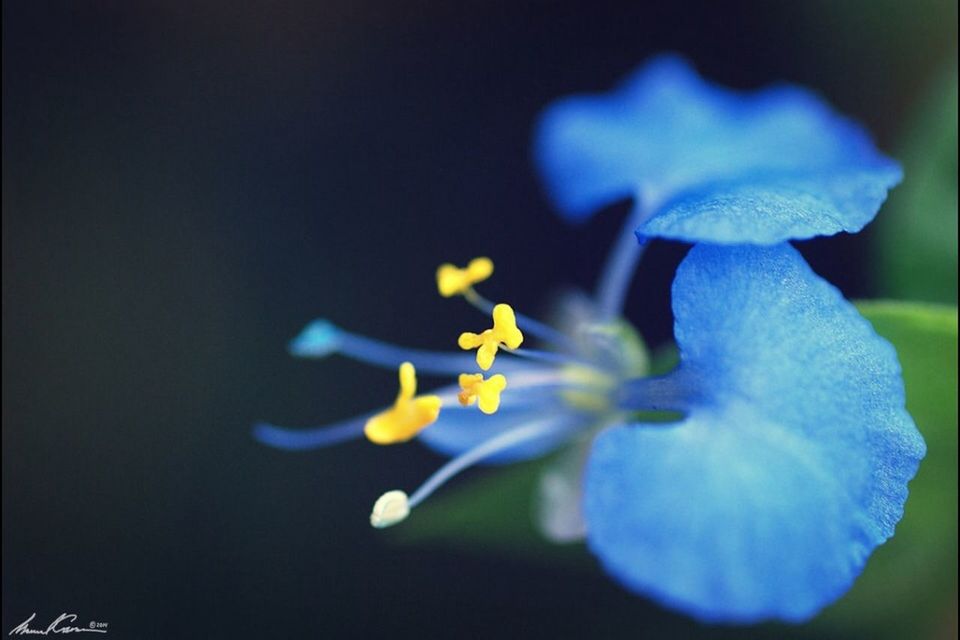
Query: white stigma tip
[[389, 509]]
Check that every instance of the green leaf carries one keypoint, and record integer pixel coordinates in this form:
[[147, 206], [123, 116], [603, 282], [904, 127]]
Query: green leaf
[[916, 247], [910, 583]]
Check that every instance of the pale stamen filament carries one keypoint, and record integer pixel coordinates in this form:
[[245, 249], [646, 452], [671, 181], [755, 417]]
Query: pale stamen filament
[[488, 448], [621, 263], [379, 353]]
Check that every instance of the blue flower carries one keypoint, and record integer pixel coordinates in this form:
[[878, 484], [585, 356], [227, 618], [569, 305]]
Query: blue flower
[[790, 459], [706, 164], [789, 467]]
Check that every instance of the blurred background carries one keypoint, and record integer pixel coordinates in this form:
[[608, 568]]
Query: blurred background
[[185, 187]]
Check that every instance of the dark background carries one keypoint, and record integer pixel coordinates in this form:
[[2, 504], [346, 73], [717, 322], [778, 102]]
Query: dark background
[[185, 187]]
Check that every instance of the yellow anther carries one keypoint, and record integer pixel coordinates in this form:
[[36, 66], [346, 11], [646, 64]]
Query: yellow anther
[[452, 280], [408, 416], [486, 393], [504, 332]]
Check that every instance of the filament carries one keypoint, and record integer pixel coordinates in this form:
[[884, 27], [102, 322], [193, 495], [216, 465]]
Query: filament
[[537, 387], [291, 439], [512, 438], [383, 354], [550, 357], [621, 264], [527, 324]]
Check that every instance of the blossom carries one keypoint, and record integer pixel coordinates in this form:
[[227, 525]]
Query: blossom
[[789, 460], [788, 468], [707, 164]]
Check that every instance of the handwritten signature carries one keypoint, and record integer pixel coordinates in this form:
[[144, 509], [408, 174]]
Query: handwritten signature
[[60, 625]]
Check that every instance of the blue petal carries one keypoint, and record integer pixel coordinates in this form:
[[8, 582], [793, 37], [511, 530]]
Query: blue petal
[[680, 145], [772, 208], [791, 465]]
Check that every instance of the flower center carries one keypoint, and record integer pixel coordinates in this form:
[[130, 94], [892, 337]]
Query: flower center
[[574, 385]]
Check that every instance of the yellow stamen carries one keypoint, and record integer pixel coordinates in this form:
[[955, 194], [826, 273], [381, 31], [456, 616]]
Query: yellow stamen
[[504, 332], [452, 280], [485, 392], [408, 416]]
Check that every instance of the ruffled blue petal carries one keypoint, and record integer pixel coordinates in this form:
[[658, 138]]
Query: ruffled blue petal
[[703, 158], [791, 465], [775, 207]]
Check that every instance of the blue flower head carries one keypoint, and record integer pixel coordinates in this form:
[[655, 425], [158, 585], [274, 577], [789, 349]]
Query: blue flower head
[[790, 460], [707, 164]]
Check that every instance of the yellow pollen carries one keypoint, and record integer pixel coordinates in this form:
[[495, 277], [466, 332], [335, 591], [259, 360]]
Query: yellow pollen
[[486, 393], [452, 280], [408, 416], [504, 332]]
